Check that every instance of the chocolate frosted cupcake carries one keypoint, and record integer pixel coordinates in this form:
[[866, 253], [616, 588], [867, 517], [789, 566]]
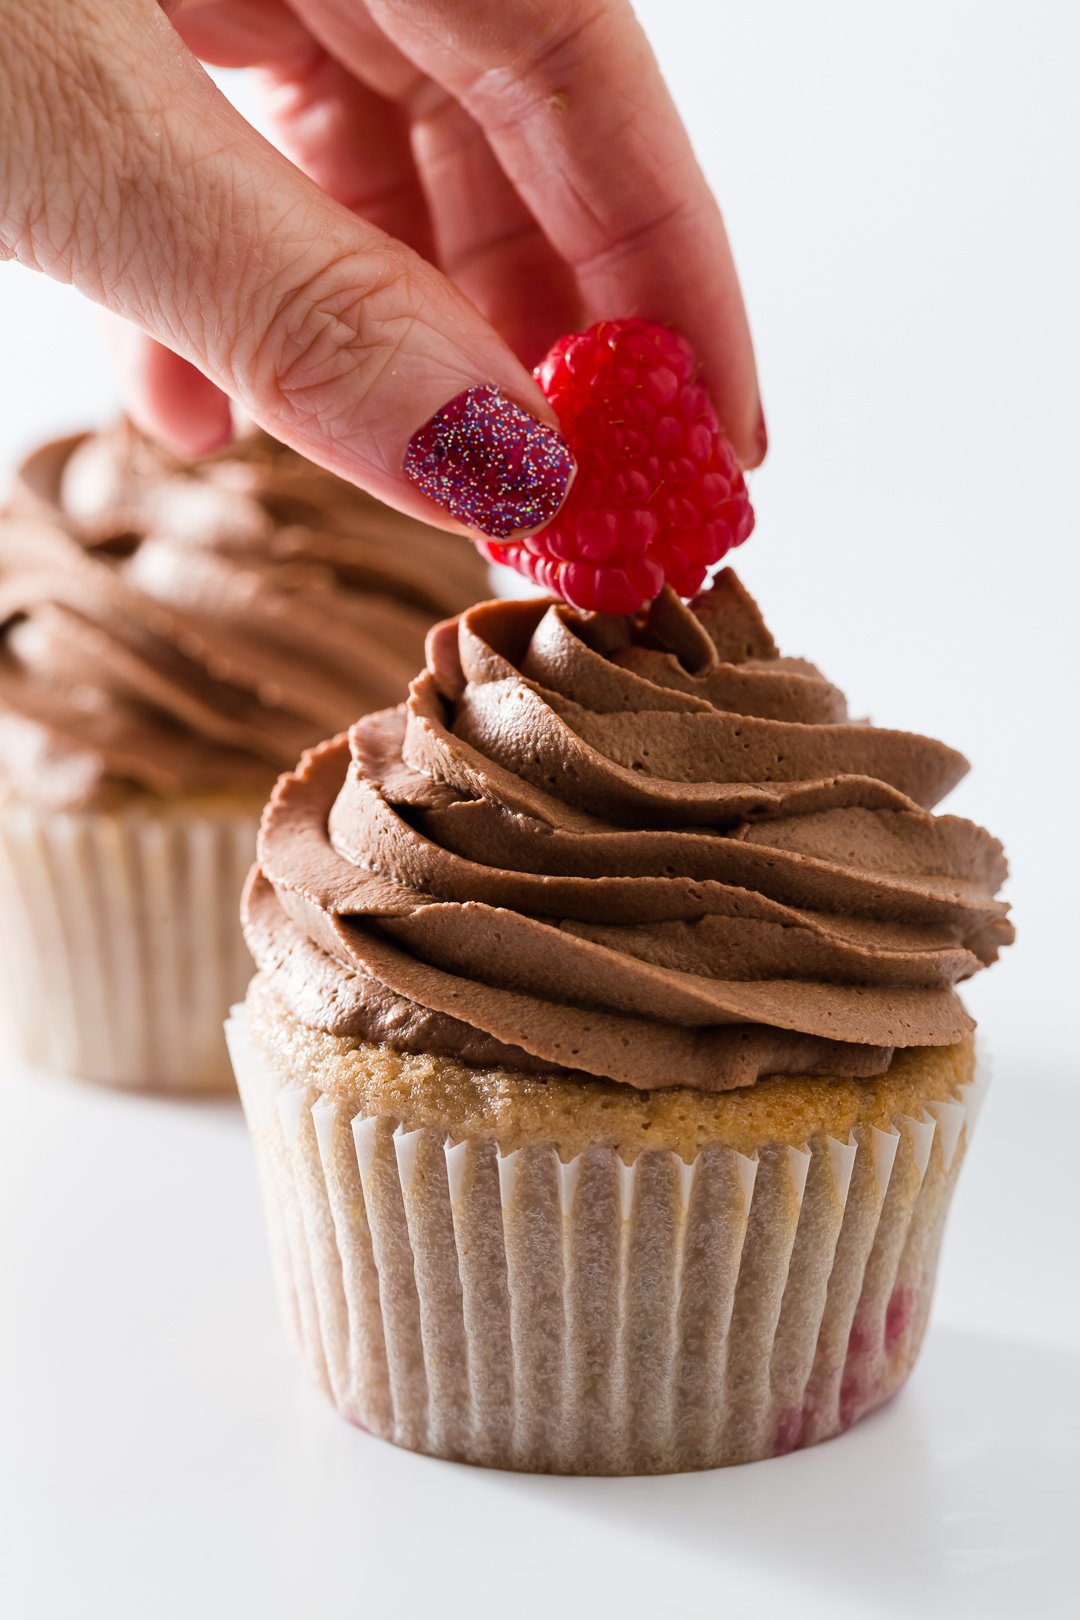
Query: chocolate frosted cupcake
[[605, 1065], [171, 636]]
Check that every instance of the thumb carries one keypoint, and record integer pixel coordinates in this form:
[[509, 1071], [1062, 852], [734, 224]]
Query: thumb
[[146, 189]]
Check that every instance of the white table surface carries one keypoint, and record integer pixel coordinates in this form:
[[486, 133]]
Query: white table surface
[[900, 187], [163, 1458]]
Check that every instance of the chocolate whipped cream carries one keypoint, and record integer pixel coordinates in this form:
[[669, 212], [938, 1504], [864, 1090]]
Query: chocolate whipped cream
[[179, 628], [655, 852]]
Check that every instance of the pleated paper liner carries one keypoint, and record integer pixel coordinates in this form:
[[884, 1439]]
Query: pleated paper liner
[[595, 1317], [120, 951]]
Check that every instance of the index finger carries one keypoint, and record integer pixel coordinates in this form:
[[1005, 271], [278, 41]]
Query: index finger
[[573, 103]]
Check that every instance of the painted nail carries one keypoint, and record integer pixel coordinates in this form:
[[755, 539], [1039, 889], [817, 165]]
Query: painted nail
[[490, 464]]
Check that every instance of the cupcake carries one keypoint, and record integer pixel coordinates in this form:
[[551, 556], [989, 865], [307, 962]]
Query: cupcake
[[604, 1063], [172, 635]]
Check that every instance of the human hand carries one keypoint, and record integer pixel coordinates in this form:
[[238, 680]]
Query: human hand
[[528, 148]]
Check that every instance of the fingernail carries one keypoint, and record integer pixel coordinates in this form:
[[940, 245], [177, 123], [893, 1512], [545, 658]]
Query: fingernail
[[762, 437], [490, 464]]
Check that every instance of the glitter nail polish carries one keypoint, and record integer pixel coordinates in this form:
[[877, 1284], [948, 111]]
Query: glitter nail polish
[[490, 464]]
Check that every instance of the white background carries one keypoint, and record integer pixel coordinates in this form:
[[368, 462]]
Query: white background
[[900, 182]]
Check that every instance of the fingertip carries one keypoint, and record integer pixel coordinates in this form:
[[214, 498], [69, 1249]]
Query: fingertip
[[743, 423], [187, 441], [757, 443], [193, 438], [171, 401]]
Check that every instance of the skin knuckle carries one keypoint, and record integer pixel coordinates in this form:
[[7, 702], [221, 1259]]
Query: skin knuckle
[[319, 327], [541, 63]]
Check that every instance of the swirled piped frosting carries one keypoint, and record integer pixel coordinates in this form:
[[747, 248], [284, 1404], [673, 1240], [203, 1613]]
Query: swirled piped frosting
[[651, 851], [175, 627]]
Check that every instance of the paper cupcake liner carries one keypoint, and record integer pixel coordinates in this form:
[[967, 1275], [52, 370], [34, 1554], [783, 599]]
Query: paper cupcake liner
[[595, 1317], [120, 951]]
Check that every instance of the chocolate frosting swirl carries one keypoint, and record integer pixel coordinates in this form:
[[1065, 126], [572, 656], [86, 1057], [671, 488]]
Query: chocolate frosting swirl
[[654, 852], [181, 627]]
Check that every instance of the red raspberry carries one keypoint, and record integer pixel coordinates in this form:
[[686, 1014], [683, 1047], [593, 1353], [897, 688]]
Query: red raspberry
[[659, 496]]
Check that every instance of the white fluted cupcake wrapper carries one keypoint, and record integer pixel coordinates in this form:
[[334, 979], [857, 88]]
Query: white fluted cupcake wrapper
[[593, 1317], [121, 950]]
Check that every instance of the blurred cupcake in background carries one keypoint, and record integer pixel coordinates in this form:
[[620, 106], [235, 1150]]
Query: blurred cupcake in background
[[172, 635]]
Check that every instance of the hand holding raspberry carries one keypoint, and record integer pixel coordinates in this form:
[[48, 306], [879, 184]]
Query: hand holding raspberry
[[659, 496]]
